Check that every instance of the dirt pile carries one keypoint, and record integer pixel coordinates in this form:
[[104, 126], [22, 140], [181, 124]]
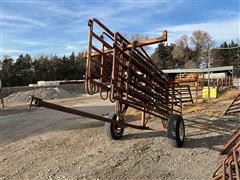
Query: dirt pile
[[43, 93]]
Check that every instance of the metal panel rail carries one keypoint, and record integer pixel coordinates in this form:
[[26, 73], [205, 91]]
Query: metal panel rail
[[185, 93], [230, 166], [231, 142], [234, 107]]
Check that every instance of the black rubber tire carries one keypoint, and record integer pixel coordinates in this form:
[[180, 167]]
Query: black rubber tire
[[112, 130], [173, 130]]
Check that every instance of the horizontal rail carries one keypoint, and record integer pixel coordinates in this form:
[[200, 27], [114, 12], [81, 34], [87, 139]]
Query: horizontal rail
[[234, 107], [163, 38], [234, 138]]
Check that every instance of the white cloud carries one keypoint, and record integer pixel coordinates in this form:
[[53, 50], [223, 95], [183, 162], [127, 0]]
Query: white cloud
[[76, 46], [10, 51], [219, 30], [12, 19], [114, 13], [69, 47], [13, 52], [110, 9], [29, 42]]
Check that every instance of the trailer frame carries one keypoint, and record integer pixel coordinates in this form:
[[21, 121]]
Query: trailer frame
[[123, 73]]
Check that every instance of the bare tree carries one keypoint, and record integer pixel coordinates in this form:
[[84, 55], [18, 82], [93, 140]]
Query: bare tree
[[200, 40], [181, 52], [139, 37]]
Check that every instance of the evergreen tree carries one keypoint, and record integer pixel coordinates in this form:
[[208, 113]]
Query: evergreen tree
[[7, 71], [163, 56]]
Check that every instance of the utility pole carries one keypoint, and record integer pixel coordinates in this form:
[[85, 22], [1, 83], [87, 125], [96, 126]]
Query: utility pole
[[1, 89], [209, 63]]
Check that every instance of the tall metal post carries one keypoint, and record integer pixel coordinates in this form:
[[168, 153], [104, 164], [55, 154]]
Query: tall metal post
[[1, 89], [209, 71]]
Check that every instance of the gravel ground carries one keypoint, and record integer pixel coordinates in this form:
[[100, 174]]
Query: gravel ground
[[45, 144], [43, 93]]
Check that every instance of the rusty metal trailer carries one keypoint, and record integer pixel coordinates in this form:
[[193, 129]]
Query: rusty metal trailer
[[123, 73]]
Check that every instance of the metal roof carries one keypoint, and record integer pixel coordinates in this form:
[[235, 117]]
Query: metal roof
[[215, 69]]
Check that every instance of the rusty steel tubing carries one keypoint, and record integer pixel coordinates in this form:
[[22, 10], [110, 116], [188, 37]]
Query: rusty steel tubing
[[113, 67], [154, 87], [128, 75], [150, 94], [87, 84], [234, 138], [40, 103], [129, 67], [153, 74], [101, 64], [146, 99], [151, 105], [151, 41], [229, 168], [143, 55], [234, 108], [140, 108], [161, 81], [101, 25]]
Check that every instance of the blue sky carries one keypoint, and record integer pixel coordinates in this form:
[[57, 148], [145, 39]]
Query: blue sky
[[48, 27]]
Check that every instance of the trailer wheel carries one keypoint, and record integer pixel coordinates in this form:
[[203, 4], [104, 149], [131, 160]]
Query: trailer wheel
[[176, 130], [113, 131]]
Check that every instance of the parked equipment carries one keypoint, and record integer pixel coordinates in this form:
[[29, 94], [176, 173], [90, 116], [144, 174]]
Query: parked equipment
[[122, 72]]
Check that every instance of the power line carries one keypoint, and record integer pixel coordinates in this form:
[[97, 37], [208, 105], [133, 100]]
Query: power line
[[228, 48]]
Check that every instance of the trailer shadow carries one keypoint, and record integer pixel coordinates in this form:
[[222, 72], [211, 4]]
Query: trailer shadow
[[201, 131], [209, 132]]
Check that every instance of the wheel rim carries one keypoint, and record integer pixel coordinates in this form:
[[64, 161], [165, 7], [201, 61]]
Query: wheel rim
[[181, 131], [118, 130]]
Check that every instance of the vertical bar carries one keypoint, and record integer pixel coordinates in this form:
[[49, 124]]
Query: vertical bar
[[143, 118], [173, 95], [114, 67], [90, 88], [236, 164], [181, 98], [208, 71]]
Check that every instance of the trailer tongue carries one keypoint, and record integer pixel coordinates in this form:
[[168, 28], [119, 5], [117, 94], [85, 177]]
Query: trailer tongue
[[123, 73]]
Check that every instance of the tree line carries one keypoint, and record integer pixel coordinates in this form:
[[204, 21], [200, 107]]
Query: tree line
[[26, 70], [194, 51], [187, 52]]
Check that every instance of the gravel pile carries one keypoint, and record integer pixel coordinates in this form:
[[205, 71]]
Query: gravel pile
[[43, 93]]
